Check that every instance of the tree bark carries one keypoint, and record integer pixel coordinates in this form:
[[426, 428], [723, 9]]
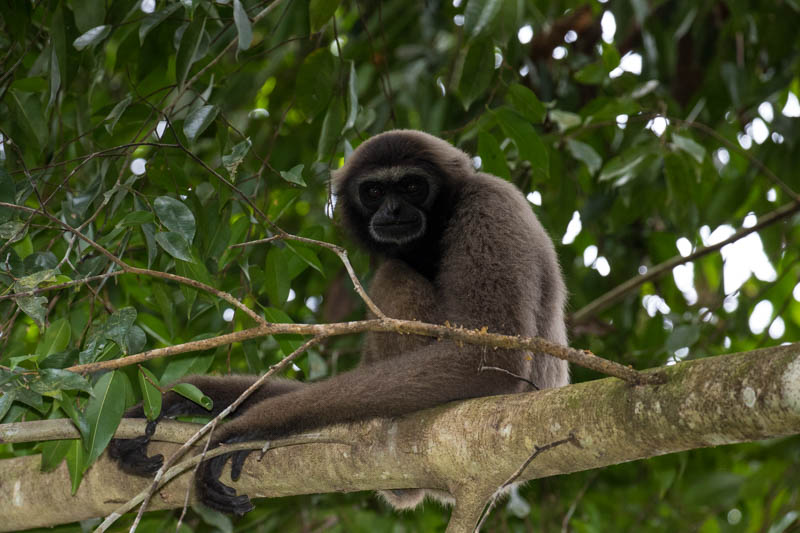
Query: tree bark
[[469, 448]]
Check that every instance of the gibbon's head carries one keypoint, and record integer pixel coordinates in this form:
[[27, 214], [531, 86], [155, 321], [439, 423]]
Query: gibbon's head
[[395, 191]]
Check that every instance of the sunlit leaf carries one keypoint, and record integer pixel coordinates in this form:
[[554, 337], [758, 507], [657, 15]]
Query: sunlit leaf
[[92, 37], [525, 102], [479, 15], [151, 395], [243, 27], [56, 338], [197, 122], [493, 160], [175, 245], [276, 277], [477, 72], [175, 216], [104, 411], [585, 153], [294, 175], [189, 391], [528, 143], [689, 146]]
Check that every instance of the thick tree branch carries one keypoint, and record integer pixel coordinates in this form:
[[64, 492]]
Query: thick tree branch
[[471, 448]]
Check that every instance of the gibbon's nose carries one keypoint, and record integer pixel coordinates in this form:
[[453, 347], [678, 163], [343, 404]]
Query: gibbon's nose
[[393, 207]]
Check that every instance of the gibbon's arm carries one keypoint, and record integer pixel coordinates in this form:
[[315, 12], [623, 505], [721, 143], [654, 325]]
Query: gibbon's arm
[[131, 454], [430, 376]]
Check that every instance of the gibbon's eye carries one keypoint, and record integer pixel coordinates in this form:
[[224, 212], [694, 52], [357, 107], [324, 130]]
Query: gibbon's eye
[[414, 186], [372, 191]]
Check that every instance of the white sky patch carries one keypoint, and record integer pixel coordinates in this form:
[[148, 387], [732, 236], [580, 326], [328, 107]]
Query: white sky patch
[[678, 356], [573, 229], [458, 20], [535, 198], [757, 130], [766, 111], [642, 270], [589, 255], [731, 302], [525, 34], [792, 107], [160, 128], [742, 258], [559, 52], [477, 162], [760, 317], [630, 62], [313, 302], [796, 292], [139, 166], [457, 3], [684, 280], [723, 156], [292, 295], [684, 246], [524, 70], [602, 266], [776, 137], [440, 84], [608, 25], [227, 315], [657, 125], [726, 342], [498, 59], [772, 195], [745, 141], [777, 328], [148, 6], [750, 220], [654, 303], [570, 36], [622, 121]]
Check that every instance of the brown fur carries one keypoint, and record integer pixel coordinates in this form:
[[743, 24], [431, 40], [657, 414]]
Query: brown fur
[[486, 262]]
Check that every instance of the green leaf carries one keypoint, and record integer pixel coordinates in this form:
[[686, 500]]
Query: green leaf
[[197, 122], [320, 12], [528, 143], [243, 27], [565, 120], [190, 45], [55, 77], [331, 133], [493, 160], [92, 37], [288, 343], [154, 19], [232, 160], [189, 391], [6, 399], [315, 82], [175, 245], [118, 325], [52, 380], [119, 109], [8, 194], [477, 73], [610, 56], [592, 74], [479, 15], [53, 452], [175, 216], [27, 110], [306, 255], [352, 98], [691, 147], [525, 102], [136, 218], [77, 462], [294, 175], [585, 153], [77, 417], [34, 307], [56, 338], [624, 163], [151, 395], [276, 281], [104, 411]]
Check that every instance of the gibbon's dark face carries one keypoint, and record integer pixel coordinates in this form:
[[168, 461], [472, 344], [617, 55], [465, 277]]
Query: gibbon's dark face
[[396, 204]]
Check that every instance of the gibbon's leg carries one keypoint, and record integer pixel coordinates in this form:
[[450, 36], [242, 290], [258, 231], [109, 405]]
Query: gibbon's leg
[[131, 454], [433, 375], [400, 292]]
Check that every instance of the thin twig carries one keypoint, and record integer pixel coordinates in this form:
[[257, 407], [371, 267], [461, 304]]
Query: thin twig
[[622, 289]]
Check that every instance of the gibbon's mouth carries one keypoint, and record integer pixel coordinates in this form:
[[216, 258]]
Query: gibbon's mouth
[[398, 224]]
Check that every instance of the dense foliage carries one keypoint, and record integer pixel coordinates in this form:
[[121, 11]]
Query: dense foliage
[[168, 131]]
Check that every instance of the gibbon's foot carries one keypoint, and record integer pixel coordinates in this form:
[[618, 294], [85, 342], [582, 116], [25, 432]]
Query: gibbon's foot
[[215, 494], [131, 454]]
